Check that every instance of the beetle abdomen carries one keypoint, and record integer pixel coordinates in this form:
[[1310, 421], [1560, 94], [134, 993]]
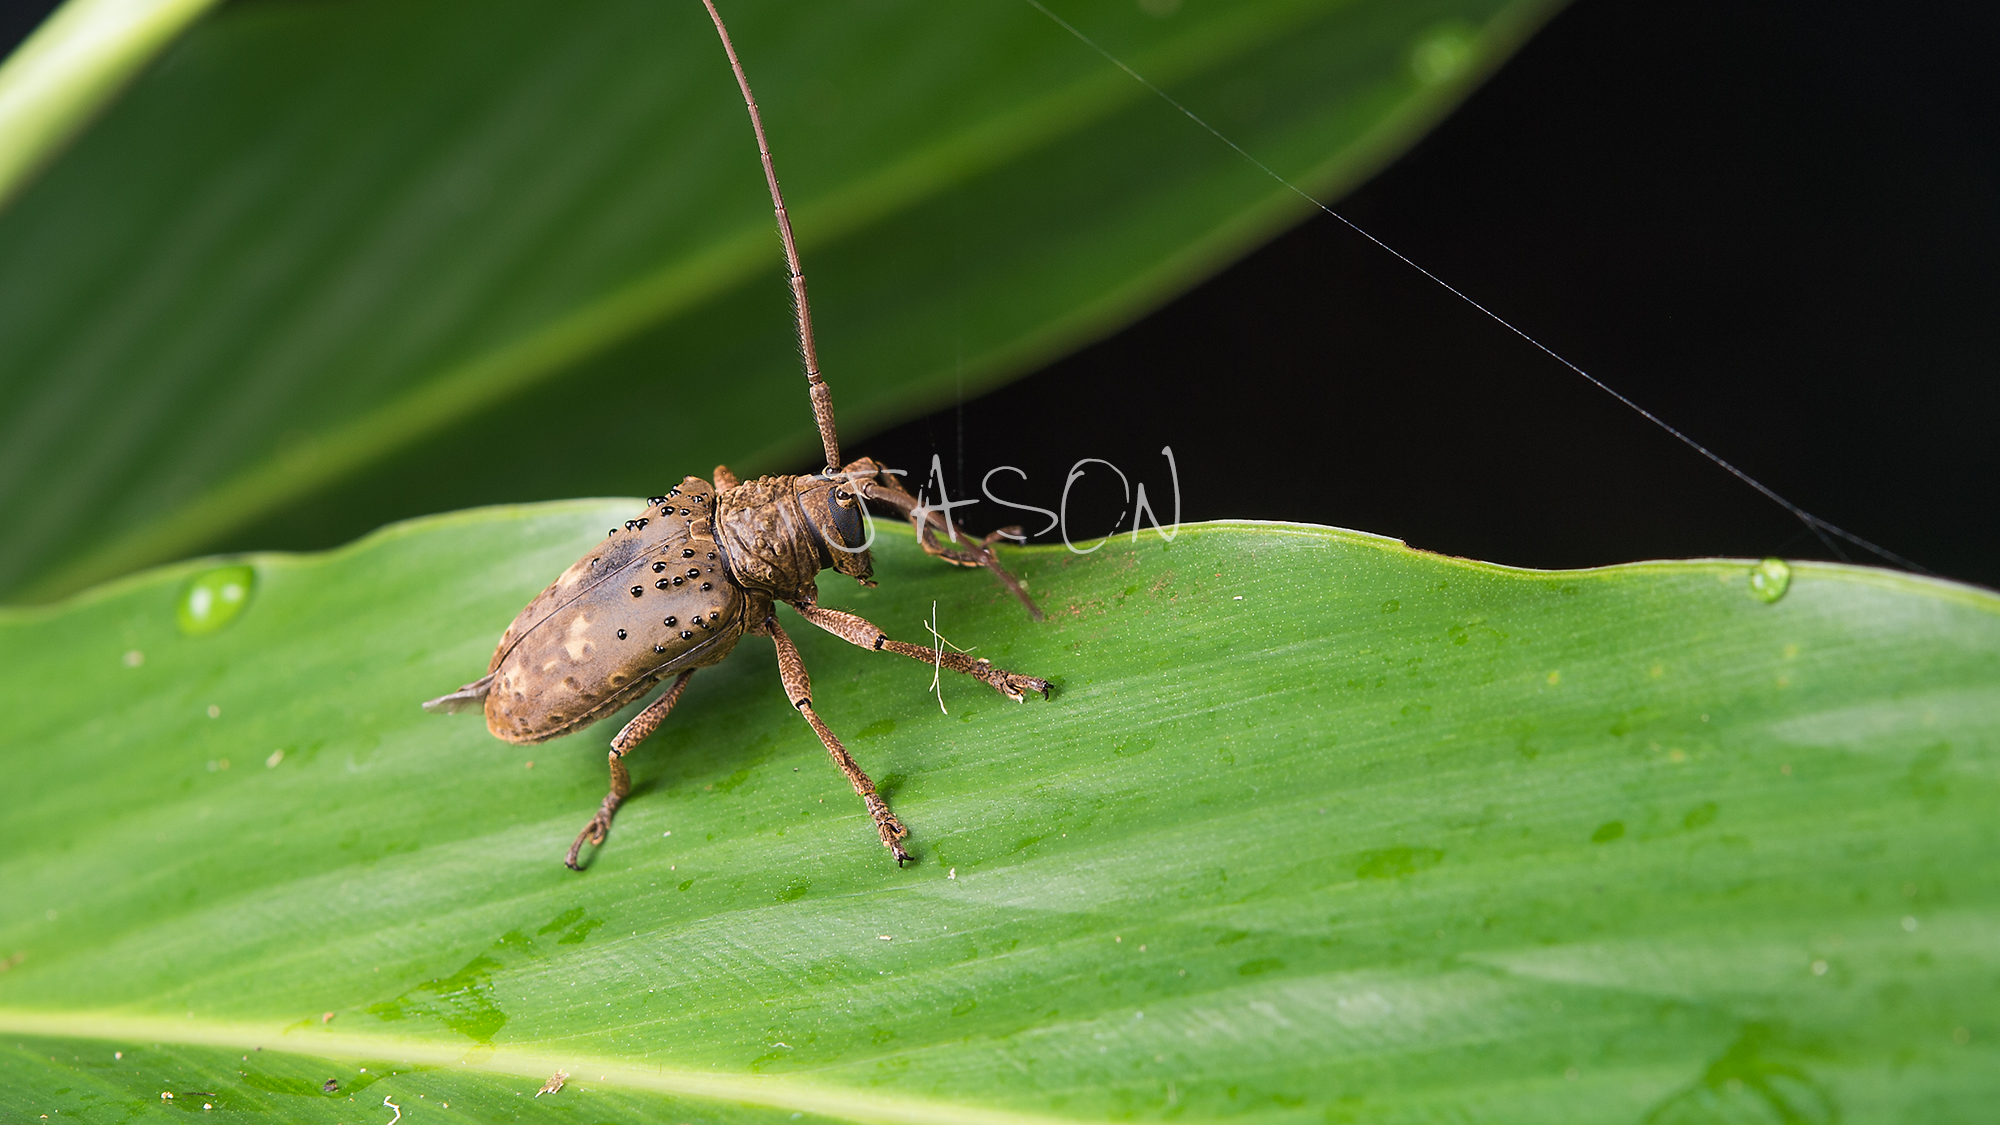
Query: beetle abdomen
[[602, 634]]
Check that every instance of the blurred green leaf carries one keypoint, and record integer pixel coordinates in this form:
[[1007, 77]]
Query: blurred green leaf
[[330, 264], [70, 66], [1317, 828]]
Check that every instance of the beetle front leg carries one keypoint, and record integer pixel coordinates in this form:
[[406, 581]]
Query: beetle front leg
[[798, 688], [864, 633], [638, 730], [875, 484]]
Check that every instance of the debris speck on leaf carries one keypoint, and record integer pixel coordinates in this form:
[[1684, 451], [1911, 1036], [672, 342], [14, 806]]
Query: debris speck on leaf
[[330, 1086], [555, 1083], [326, 1017]]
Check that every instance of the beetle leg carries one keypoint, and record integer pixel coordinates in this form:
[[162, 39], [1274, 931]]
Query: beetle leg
[[798, 688], [642, 725], [861, 631], [964, 551]]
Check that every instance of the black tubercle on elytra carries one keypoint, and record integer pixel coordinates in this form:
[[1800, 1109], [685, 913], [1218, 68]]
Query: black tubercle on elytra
[[662, 584], [658, 567], [671, 620], [638, 590], [621, 634]]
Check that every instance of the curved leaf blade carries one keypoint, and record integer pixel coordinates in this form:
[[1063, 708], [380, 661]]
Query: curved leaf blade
[[1317, 827], [448, 246]]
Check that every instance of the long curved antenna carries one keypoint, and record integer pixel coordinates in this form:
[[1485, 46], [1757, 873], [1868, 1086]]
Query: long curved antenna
[[822, 398]]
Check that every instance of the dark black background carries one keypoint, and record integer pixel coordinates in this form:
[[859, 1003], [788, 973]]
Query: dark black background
[[1775, 224]]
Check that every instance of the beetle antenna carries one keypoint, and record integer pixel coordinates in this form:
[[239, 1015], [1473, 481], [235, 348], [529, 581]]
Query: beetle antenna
[[822, 398]]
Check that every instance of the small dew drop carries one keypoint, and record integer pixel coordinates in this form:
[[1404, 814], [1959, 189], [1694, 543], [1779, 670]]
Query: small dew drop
[[210, 600], [1442, 53], [1770, 579]]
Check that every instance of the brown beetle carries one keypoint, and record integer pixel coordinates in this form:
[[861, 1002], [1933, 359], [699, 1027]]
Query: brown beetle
[[677, 586]]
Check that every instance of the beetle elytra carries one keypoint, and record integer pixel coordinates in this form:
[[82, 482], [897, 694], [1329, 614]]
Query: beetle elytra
[[677, 586]]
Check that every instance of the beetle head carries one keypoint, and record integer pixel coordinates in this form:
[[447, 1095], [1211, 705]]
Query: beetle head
[[833, 509]]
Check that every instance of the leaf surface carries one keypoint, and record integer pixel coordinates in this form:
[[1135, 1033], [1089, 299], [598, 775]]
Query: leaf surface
[[1316, 828], [328, 265]]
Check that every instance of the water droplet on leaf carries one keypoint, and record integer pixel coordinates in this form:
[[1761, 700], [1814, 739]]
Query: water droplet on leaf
[[1442, 53], [213, 598], [1770, 579]]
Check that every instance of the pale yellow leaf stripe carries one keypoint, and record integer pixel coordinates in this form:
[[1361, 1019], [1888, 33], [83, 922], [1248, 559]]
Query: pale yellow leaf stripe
[[776, 1092], [60, 76]]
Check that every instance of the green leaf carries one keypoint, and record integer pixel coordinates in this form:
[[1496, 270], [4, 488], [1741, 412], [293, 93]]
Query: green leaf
[[1316, 828], [70, 66], [326, 265]]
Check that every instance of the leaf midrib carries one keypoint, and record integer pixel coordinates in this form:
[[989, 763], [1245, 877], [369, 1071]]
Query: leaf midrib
[[776, 1092]]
